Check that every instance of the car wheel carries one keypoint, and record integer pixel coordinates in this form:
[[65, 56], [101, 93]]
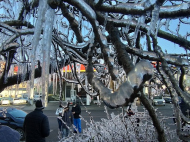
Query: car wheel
[[22, 135]]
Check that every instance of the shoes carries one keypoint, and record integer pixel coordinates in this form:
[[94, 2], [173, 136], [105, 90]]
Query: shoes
[[59, 134]]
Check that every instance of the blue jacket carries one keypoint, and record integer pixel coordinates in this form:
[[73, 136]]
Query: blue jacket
[[8, 134], [36, 126]]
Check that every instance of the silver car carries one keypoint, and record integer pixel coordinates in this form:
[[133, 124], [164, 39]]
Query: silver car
[[158, 100]]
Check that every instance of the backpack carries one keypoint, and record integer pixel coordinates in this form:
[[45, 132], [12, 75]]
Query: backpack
[[59, 112]]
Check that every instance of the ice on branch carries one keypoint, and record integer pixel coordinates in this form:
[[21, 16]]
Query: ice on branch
[[141, 72]]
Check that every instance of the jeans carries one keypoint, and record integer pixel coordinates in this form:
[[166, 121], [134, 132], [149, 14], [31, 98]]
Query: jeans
[[65, 132], [77, 123], [59, 123]]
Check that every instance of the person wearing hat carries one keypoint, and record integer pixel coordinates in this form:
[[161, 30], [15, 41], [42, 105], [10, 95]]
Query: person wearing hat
[[67, 118], [36, 124]]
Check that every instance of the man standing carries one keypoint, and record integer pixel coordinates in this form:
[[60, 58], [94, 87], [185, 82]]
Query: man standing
[[67, 119], [36, 124], [76, 110]]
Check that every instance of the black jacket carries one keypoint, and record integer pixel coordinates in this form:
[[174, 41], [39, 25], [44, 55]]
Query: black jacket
[[36, 126], [77, 111]]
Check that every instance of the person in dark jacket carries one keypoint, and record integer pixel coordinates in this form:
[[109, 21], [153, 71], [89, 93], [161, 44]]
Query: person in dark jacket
[[67, 119], [76, 110], [8, 134], [36, 124]]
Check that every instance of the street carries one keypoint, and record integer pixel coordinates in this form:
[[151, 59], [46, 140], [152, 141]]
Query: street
[[97, 113], [92, 111]]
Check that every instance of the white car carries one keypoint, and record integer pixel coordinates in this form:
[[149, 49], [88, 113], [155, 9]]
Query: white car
[[5, 101], [19, 101], [158, 100]]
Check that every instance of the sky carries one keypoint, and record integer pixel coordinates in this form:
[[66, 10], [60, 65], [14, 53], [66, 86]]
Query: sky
[[170, 46]]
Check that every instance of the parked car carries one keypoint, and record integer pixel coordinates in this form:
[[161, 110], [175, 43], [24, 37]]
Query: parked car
[[158, 100], [19, 101], [6, 101], [13, 118], [25, 97], [168, 99]]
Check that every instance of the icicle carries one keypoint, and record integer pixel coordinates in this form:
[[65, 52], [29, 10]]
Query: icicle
[[61, 70], [79, 87], [126, 29], [47, 38], [24, 71], [50, 75], [6, 68], [16, 90], [37, 32], [140, 21], [157, 27], [11, 71], [155, 18], [53, 83], [86, 83], [167, 24], [66, 70]]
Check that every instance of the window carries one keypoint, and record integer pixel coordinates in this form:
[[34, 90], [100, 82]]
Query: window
[[68, 91]]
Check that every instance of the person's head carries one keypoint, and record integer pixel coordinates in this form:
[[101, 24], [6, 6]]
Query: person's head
[[39, 105], [74, 103], [129, 110], [64, 104]]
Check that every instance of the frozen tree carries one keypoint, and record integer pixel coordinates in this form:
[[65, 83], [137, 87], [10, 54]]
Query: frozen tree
[[117, 38]]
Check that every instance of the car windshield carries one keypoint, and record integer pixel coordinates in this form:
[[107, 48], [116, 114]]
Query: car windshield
[[17, 113], [168, 98], [17, 98], [6, 98], [158, 97]]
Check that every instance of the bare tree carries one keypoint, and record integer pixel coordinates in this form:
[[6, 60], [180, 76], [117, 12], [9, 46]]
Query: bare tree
[[119, 38]]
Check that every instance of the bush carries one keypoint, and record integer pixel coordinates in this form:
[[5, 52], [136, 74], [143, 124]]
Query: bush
[[52, 97]]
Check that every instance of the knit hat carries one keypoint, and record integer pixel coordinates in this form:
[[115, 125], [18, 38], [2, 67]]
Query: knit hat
[[39, 104]]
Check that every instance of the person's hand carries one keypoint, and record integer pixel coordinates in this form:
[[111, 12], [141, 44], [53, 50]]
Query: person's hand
[[65, 109], [73, 112]]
